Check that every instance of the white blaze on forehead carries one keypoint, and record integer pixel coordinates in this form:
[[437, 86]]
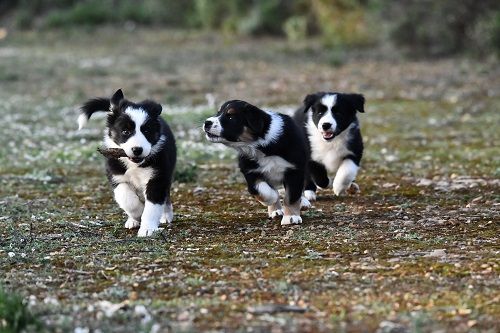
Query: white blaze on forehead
[[329, 100], [139, 117]]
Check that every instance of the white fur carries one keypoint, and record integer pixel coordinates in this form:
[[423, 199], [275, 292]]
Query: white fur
[[310, 195], [304, 203], [216, 128], [136, 176], [168, 214], [273, 167], [139, 117], [128, 200], [329, 100], [291, 219], [267, 193], [344, 177], [150, 218], [82, 121], [273, 133]]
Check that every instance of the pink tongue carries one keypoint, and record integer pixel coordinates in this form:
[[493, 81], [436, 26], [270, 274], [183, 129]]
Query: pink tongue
[[327, 135]]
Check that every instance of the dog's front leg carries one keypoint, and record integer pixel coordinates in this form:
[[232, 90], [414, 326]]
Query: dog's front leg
[[275, 210], [150, 218], [345, 175], [294, 184], [128, 200], [154, 207], [269, 197], [264, 193]]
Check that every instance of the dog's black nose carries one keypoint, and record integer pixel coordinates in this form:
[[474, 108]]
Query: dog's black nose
[[326, 126], [137, 151], [208, 123]]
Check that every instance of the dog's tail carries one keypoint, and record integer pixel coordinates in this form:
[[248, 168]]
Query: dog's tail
[[91, 106]]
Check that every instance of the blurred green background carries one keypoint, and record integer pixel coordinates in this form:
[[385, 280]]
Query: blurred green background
[[419, 28]]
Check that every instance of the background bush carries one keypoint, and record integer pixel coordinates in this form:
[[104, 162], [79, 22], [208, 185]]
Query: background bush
[[419, 27], [436, 28]]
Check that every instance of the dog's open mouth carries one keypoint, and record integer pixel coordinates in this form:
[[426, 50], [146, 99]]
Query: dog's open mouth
[[328, 135], [212, 137]]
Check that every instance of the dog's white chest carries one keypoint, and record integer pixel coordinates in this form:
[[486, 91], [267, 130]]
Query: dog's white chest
[[329, 153], [273, 167], [135, 176]]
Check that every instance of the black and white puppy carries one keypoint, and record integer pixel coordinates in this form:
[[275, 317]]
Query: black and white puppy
[[141, 181], [331, 129], [272, 152]]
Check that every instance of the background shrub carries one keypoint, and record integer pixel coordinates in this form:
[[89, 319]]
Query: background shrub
[[418, 27]]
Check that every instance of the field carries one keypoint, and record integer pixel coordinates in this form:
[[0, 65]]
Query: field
[[417, 250]]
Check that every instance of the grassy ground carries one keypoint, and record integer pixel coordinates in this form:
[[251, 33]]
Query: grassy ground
[[416, 250]]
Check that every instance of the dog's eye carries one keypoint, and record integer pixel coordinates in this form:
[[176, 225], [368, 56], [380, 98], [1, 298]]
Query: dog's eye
[[126, 132]]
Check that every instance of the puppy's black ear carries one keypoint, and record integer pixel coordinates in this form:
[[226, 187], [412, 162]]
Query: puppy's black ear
[[116, 99], [357, 101], [153, 108], [310, 100], [255, 118]]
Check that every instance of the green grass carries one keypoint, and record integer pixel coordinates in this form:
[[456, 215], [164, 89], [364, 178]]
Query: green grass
[[15, 315]]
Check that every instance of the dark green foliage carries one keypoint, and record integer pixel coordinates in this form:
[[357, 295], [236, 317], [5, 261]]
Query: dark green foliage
[[14, 315], [417, 27], [437, 28]]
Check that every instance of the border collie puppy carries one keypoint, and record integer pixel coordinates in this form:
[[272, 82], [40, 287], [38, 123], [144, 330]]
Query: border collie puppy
[[271, 151], [141, 181], [331, 128]]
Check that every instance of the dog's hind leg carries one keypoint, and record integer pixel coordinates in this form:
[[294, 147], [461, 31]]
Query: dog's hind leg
[[345, 175], [294, 184], [128, 200]]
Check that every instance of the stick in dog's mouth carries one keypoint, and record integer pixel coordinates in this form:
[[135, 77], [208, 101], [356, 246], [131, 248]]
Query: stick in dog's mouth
[[117, 153]]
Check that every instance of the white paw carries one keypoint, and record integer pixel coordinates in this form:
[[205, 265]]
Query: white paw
[[304, 203], [276, 213], [291, 219], [145, 232], [310, 195], [132, 223], [168, 215]]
